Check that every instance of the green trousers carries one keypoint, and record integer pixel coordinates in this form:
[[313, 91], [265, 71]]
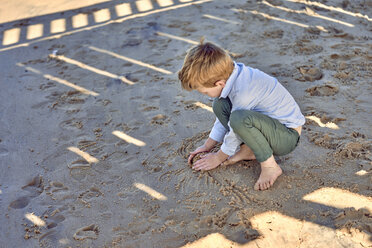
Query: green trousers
[[264, 135]]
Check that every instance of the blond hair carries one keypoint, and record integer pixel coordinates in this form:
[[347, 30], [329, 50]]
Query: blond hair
[[204, 65]]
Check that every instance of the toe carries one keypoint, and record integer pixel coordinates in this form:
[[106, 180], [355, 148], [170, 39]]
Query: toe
[[267, 185], [271, 183], [262, 186]]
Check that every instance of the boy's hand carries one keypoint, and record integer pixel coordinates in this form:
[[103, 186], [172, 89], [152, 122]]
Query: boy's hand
[[197, 150], [210, 161]]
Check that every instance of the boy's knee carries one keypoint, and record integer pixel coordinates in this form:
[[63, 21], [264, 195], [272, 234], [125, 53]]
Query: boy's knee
[[240, 118]]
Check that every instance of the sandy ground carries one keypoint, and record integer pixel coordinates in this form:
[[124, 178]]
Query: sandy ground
[[95, 129]]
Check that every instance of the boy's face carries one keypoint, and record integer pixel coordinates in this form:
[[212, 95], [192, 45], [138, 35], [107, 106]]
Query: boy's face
[[214, 91]]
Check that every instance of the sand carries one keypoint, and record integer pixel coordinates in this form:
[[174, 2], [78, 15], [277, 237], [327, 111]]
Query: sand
[[95, 129]]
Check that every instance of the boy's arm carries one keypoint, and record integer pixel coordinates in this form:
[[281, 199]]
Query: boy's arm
[[210, 143], [218, 131]]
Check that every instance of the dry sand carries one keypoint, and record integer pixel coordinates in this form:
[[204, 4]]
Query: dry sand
[[95, 129]]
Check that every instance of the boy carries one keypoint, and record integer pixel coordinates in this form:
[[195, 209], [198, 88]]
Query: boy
[[255, 113]]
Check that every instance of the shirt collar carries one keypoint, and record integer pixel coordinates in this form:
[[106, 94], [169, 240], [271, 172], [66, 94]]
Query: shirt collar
[[230, 81]]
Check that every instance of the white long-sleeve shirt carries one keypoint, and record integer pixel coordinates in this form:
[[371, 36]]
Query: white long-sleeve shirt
[[252, 89]]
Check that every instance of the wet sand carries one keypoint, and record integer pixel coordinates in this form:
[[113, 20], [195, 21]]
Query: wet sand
[[95, 129]]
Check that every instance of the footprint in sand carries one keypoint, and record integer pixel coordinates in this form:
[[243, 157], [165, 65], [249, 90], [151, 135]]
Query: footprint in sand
[[55, 220], [52, 219], [35, 187], [79, 164], [91, 193], [339, 33], [73, 124], [87, 232], [66, 99], [307, 73], [190, 105], [78, 170], [160, 119], [154, 97], [322, 140], [47, 85], [305, 47], [343, 75], [56, 187], [84, 144], [103, 166], [274, 34], [313, 30], [150, 108], [21, 202], [356, 223], [337, 56], [323, 90], [351, 150]]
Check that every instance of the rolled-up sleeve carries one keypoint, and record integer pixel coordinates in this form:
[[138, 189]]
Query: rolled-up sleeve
[[230, 143], [218, 131]]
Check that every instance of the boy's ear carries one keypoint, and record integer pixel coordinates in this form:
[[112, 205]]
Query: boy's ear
[[221, 83]]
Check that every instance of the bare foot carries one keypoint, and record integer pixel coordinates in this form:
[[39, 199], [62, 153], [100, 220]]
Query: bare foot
[[245, 153], [270, 171]]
